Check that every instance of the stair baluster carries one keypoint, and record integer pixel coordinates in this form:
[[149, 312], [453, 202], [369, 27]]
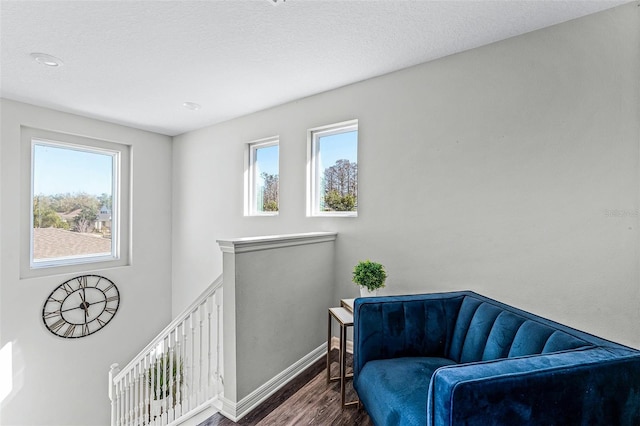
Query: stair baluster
[[170, 380]]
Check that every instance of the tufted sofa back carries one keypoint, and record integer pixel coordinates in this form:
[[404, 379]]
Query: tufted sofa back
[[484, 331]]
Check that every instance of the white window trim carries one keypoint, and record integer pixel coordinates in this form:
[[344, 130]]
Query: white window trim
[[121, 242], [313, 172], [250, 207]]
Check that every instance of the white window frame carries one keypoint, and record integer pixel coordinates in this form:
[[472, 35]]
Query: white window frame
[[120, 231], [313, 171], [250, 201]]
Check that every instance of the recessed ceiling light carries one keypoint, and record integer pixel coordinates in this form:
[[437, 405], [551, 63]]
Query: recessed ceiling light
[[191, 105], [48, 60]]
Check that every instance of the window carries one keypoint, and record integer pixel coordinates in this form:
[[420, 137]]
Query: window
[[333, 170], [263, 179], [76, 201]]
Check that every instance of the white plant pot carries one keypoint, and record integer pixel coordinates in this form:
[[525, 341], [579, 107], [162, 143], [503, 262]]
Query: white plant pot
[[364, 292], [157, 406]]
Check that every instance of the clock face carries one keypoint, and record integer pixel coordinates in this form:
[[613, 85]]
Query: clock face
[[81, 306]]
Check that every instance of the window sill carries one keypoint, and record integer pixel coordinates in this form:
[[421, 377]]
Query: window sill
[[51, 269], [262, 214], [334, 214]]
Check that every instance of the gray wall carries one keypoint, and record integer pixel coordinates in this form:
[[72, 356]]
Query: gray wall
[[64, 381], [494, 170], [273, 315]]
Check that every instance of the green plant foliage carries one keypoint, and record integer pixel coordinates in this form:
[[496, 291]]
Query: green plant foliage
[[270, 206], [340, 183], [48, 209], [333, 201], [270, 192], [106, 200], [47, 218], [369, 274], [162, 372], [84, 220]]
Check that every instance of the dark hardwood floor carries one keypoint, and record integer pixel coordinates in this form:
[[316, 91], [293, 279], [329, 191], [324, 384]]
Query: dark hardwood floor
[[306, 400]]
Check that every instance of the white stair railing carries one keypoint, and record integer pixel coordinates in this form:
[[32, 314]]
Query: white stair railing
[[178, 374]]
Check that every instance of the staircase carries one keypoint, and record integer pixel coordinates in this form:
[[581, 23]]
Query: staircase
[[276, 293], [178, 375]]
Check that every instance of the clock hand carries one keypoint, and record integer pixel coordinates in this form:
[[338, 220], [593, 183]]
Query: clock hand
[[84, 306], [82, 297], [71, 309]]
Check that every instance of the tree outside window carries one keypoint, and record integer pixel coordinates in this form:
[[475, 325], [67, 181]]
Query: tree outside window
[[263, 186], [73, 190], [334, 170]]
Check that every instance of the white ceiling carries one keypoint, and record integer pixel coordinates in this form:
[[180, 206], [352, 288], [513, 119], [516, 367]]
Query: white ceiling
[[136, 62]]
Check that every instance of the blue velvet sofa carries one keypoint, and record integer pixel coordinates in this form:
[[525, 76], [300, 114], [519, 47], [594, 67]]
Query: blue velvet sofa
[[463, 359]]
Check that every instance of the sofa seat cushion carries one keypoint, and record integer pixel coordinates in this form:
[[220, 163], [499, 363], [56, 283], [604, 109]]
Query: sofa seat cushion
[[394, 391]]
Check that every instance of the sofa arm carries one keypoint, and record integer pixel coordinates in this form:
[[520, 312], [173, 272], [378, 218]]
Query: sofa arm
[[399, 326], [590, 386]]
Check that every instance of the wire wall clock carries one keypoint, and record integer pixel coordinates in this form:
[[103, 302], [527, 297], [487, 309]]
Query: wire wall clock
[[81, 306]]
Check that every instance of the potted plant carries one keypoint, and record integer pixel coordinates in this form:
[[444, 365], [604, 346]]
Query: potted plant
[[163, 377], [370, 276]]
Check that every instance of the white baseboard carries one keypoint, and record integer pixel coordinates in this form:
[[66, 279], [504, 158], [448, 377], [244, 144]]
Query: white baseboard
[[236, 411]]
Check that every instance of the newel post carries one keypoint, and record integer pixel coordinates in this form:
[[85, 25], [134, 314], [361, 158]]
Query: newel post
[[113, 372]]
